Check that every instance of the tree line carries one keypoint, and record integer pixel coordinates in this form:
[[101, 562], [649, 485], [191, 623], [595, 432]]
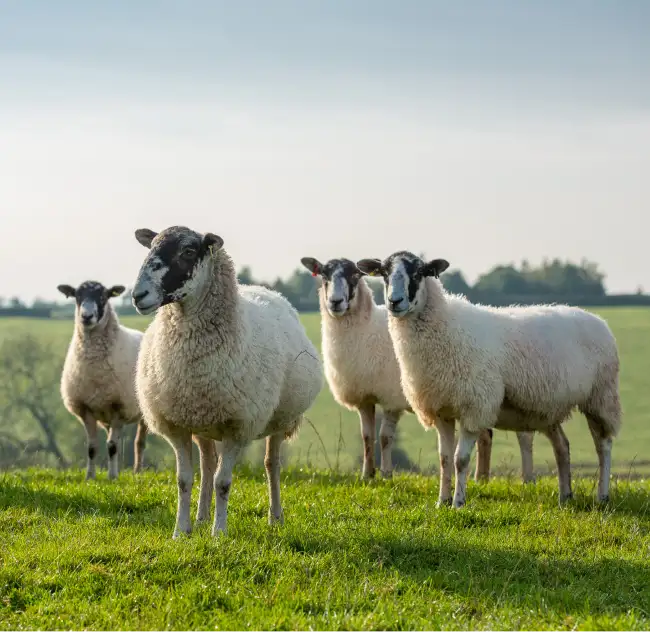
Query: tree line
[[551, 281]]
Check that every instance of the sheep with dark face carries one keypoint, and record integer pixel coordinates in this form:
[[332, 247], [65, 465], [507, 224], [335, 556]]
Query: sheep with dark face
[[225, 362], [361, 367], [98, 380], [516, 368]]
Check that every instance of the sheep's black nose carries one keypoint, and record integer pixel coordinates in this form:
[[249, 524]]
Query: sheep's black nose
[[140, 295], [337, 302], [395, 303]]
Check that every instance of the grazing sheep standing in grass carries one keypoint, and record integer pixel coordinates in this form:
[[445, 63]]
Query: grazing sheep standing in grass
[[361, 367], [98, 380], [522, 368], [221, 361]]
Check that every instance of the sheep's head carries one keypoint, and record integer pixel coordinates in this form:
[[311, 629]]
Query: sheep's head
[[403, 275], [340, 278], [175, 268], [92, 298]]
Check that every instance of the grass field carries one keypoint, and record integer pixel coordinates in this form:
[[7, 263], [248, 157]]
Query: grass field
[[380, 556], [339, 428], [99, 555]]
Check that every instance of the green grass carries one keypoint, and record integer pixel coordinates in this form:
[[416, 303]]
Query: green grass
[[339, 428], [99, 555]]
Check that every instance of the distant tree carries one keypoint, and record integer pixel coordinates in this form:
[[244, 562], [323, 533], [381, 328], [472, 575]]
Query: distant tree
[[454, 281], [29, 383], [245, 276]]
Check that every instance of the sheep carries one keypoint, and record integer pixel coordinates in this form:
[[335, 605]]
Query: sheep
[[361, 367], [519, 368], [222, 361], [98, 379]]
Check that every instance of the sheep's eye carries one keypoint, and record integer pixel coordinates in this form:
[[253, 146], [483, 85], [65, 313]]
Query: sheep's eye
[[188, 253]]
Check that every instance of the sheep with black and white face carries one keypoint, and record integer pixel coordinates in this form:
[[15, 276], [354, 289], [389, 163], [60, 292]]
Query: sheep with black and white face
[[221, 361], [98, 379], [515, 368]]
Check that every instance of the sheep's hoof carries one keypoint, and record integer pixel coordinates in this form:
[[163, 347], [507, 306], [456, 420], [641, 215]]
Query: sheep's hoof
[[276, 520], [202, 517], [603, 500], [458, 504], [90, 476], [368, 475], [387, 475], [564, 500], [218, 532], [443, 502], [181, 533], [530, 481]]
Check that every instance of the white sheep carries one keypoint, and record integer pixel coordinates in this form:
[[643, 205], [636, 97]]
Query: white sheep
[[98, 379], [523, 368], [362, 370], [221, 361]]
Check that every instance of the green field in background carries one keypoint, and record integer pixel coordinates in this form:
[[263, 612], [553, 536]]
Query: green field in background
[[339, 428]]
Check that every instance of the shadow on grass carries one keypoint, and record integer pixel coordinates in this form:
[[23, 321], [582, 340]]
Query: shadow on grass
[[489, 578], [98, 498]]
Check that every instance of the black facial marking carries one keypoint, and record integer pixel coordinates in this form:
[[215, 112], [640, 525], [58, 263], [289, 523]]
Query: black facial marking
[[348, 269], [180, 250], [95, 292], [412, 265]]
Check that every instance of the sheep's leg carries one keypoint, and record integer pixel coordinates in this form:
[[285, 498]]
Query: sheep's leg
[[483, 455], [113, 442], [603, 443], [560, 445], [367, 417], [386, 439], [446, 430], [208, 454], [222, 482], [90, 424], [526, 448], [466, 441], [182, 444], [272, 466], [138, 446]]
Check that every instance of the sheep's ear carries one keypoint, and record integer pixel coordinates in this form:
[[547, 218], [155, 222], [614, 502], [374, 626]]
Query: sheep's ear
[[145, 236], [210, 240], [434, 268], [371, 267], [313, 265], [116, 290], [67, 290]]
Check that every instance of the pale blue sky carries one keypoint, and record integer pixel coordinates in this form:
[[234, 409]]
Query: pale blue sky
[[481, 132]]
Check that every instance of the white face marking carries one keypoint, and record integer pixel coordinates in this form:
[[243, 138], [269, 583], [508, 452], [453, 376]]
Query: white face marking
[[149, 283], [88, 312], [397, 290], [339, 291]]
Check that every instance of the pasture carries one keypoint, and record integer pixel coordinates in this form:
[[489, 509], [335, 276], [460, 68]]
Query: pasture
[[339, 428], [99, 555]]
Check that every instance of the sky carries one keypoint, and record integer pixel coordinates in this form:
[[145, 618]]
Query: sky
[[481, 132]]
